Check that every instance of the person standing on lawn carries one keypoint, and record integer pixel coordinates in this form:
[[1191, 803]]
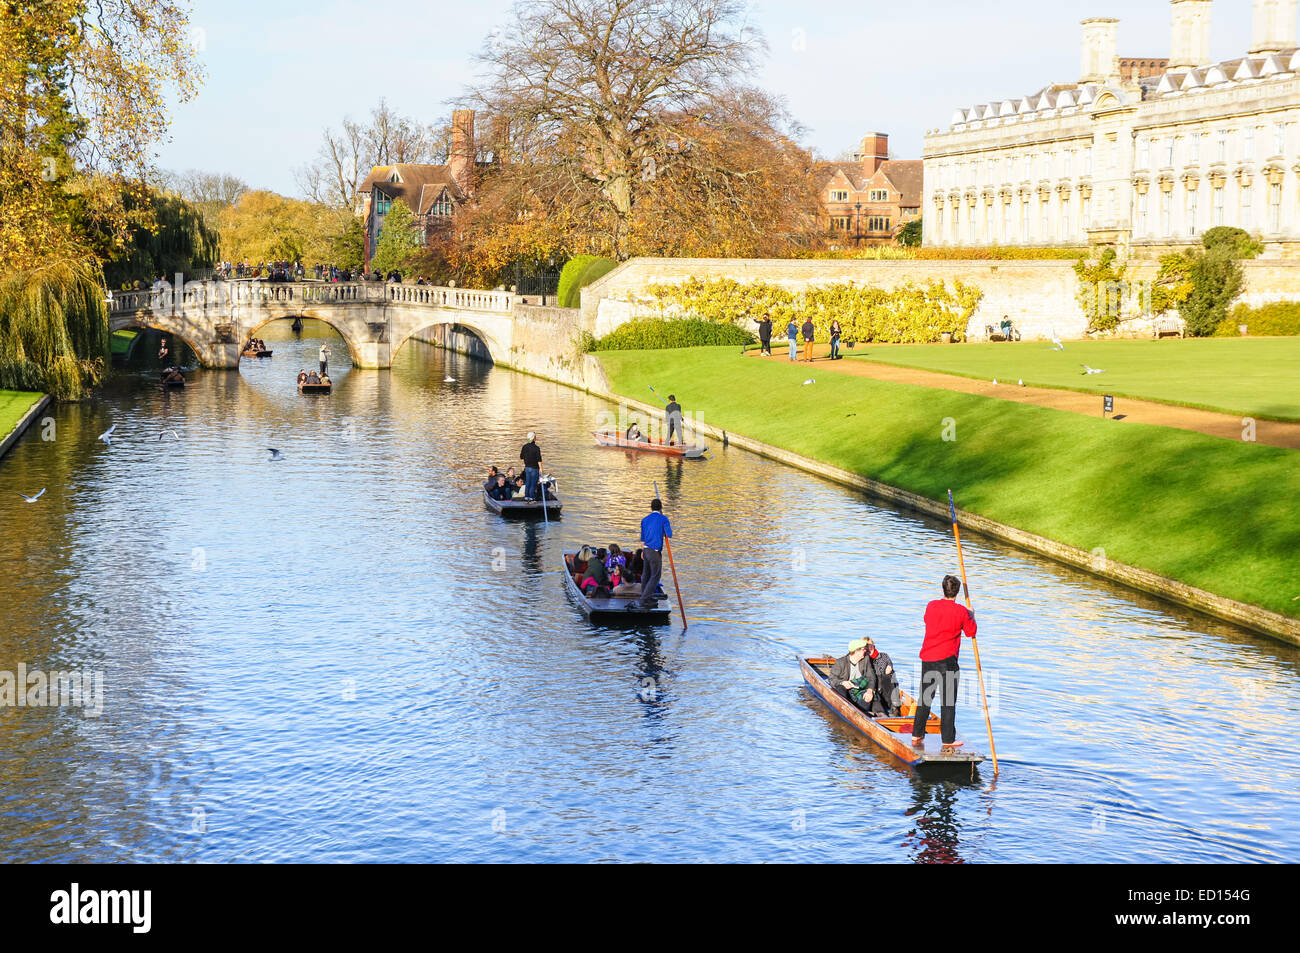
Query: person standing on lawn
[[946, 621], [792, 332], [835, 340], [808, 334], [765, 335]]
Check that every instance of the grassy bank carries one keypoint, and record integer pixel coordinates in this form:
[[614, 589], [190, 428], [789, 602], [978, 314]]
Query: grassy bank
[[1249, 376], [1213, 513], [13, 405]]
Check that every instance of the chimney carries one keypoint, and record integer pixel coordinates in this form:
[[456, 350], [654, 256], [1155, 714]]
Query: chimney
[[1190, 39], [461, 160], [1274, 27], [1100, 59], [875, 150]]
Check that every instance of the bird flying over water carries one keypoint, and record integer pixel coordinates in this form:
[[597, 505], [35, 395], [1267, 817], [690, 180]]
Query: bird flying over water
[[166, 432], [33, 499], [107, 435], [1092, 370], [449, 380], [275, 454]]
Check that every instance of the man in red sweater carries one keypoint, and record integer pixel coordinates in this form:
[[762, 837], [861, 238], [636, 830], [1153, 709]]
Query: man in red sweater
[[945, 621]]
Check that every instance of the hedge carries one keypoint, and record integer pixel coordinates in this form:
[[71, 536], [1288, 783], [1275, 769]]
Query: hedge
[[906, 314], [579, 272], [657, 334], [1278, 319]]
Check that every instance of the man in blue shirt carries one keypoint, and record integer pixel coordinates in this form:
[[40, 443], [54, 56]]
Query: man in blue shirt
[[792, 332], [654, 529]]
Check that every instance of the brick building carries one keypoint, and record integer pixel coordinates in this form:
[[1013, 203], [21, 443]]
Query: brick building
[[433, 193], [866, 201]]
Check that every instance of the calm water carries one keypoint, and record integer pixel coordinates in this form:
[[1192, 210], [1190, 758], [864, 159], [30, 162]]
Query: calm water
[[343, 656]]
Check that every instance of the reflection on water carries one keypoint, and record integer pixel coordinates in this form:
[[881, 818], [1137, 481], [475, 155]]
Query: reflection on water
[[341, 655]]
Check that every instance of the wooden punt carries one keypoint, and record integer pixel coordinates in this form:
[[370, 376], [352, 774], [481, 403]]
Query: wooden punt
[[614, 609], [892, 734], [314, 388], [179, 383], [266, 353], [608, 438], [518, 509]]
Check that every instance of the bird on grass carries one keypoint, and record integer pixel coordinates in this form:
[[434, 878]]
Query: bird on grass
[[811, 380], [275, 454], [1021, 382], [1092, 370], [1056, 342], [107, 435], [33, 499]]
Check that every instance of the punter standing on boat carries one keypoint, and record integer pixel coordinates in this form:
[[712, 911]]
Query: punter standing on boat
[[531, 454], [324, 357], [673, 417], [945, 622], [655, 528]]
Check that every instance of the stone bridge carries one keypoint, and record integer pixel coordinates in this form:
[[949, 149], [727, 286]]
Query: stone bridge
[[375, 319]]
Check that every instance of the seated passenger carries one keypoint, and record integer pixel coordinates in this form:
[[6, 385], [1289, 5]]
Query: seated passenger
[[615, 557], [491, 480], [500, 490], [325, 379], [620, 585], [866, 677], [596, 577], [518, 493], [302, 377], [633, 432]]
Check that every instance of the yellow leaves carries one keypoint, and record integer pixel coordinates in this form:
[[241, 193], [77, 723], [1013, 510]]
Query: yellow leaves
[[905, 314]]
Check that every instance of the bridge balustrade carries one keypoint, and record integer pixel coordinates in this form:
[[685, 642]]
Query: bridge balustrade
[[231, 293]]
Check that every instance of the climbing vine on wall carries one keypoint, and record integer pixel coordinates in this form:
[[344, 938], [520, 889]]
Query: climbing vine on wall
[[907, 314]]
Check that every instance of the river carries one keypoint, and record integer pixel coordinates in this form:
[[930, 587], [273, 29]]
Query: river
[[342, 656]]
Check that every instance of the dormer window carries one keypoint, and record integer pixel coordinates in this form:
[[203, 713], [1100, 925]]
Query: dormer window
[[878, 195], [838, 195]]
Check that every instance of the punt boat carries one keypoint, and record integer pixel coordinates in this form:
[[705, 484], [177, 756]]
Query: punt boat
[[612, 609], [174, 384], [892, 734], [264, 353], [314, 388], [609, 438], [520, 509]]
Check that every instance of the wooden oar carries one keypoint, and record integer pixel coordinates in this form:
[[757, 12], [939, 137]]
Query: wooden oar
[[668, 546], [979, 669]]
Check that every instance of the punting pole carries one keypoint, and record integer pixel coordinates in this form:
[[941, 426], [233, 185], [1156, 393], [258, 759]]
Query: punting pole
[[668, 547], [979, 669]]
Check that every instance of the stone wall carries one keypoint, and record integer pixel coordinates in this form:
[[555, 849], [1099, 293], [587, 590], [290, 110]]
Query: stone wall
[[1039, 297]]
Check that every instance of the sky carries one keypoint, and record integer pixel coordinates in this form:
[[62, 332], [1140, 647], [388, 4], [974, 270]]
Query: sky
[[280, 72]]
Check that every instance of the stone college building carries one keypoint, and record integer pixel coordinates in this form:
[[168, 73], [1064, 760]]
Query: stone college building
[[1144, 154]]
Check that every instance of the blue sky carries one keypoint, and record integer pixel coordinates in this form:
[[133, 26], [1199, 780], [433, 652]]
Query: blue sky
[[279, 71]]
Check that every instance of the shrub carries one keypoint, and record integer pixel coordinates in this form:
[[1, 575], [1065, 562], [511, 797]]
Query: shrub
[[909, 236], [1280, 318], [1102, 290], [655, 334], [1216, 279], [908, 313], [1236, 240], [579, 272]]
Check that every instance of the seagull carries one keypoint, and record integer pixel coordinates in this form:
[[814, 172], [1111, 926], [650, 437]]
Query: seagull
[[1057, 341], [107, 435], [164, 433], [33, 499], [1021, 382], [275, 454], [995, 382], [1091, 370], [449, 380], [811, 380]]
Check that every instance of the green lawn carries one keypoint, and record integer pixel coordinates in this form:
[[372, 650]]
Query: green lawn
[[1250, 376], [1214, 513], [13, 405], [120, 342]]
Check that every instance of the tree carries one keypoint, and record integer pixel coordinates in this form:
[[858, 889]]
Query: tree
[[627, 123], [264, 226], [178, 240], [397, 240], [910, 234], [210, 192]]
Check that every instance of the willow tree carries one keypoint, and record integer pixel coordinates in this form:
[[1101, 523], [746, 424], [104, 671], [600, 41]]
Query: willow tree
[[83, 93], [612, 114]]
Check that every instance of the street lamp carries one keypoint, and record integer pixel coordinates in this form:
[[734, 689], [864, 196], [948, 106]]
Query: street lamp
[[857, 227]]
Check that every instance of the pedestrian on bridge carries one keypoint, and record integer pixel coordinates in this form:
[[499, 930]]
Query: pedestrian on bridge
[[324, 357]]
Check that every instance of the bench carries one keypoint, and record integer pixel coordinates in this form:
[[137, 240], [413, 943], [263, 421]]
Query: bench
[[1168, 327]]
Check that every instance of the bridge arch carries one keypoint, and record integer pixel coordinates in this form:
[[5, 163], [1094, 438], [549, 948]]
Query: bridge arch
[[172, 325], [492, 348], [324, 316]]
